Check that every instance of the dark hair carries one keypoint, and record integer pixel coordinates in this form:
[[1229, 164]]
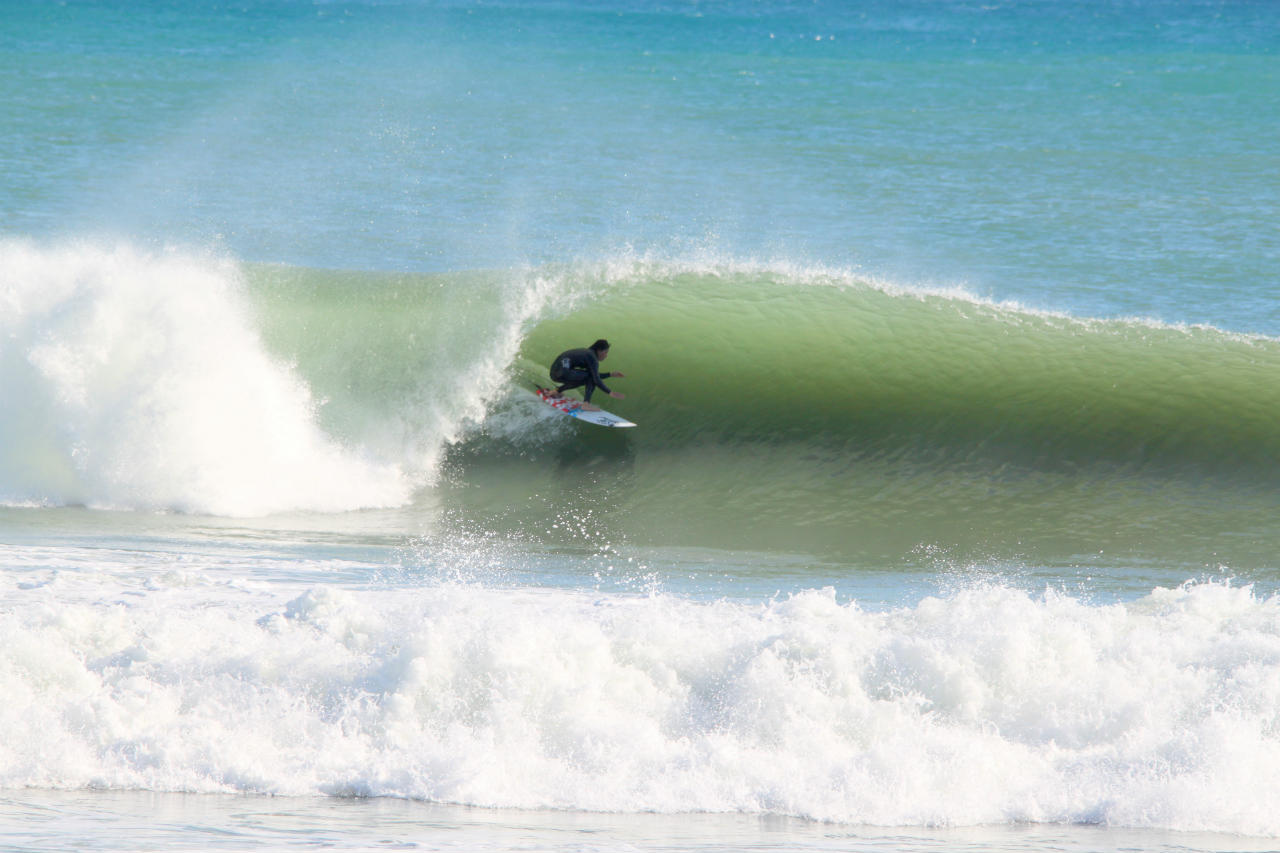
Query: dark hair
[[599, 346]]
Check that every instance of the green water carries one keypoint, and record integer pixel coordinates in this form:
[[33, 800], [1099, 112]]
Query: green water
[[807, 411]]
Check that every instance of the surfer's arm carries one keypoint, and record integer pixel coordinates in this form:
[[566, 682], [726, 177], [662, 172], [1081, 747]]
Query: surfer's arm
[[617, 395], [597, 376]]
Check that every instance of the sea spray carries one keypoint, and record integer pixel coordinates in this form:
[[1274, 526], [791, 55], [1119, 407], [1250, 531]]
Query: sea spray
[[137, 380]]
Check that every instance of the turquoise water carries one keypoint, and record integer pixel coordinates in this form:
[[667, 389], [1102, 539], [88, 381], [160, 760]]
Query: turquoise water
[[1093, 157], [950, 330]]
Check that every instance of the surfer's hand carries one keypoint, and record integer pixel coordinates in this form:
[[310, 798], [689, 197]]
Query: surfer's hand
[[618, 374], [617, 395]]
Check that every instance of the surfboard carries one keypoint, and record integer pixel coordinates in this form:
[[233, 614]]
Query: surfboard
[[573, 408]]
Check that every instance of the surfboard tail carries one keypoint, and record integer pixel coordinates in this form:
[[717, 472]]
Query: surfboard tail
[[576, 409]]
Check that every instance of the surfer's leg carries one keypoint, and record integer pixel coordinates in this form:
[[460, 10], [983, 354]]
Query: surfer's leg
[[572, 379]]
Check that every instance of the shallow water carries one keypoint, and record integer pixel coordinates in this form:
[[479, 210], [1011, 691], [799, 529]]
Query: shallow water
[[123, 820]]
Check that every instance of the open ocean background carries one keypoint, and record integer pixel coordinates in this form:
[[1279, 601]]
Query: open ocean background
[[952, 333]]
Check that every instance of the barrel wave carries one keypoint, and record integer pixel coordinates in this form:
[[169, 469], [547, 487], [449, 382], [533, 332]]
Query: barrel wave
[[830, 359], [806, 410], [781, 407], [824, 412], [721, 352]]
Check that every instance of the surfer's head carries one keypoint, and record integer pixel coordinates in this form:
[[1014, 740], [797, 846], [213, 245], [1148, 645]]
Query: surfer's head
[[600, 347]]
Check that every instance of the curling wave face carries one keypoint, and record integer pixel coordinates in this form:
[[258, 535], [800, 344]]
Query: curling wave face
[[781, 408]]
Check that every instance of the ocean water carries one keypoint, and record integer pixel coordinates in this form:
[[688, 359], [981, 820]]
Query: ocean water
[[952, 334]]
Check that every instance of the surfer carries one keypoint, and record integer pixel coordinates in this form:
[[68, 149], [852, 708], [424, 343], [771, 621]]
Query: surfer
[[580, 368]]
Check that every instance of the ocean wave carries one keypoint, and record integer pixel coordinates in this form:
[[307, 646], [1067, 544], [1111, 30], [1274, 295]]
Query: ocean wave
[[986, 706], [747, 353], [135, 380], [180, 381]]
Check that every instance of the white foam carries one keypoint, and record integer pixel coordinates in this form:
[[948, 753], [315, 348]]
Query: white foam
[[136, 380], [986, 706]]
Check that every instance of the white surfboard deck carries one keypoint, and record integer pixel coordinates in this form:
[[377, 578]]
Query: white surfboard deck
[[573, 408]]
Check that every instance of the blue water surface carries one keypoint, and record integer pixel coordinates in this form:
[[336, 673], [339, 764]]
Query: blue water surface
[[1097, 158]]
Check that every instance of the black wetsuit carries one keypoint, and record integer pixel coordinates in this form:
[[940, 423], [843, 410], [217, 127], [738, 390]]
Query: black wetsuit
[[576, 368]]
